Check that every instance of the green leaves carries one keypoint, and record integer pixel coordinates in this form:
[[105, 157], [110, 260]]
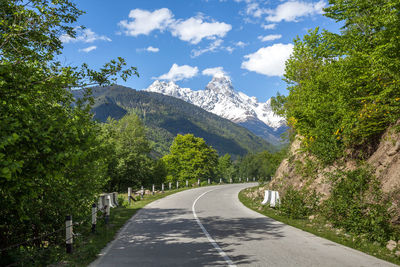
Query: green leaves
[[357, 205], [342, 87], [191, 158]]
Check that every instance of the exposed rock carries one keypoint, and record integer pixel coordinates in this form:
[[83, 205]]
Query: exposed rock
[[391, 245], [385, 161]]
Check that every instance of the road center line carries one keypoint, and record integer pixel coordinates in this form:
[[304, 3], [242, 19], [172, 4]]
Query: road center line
[[210, 239]]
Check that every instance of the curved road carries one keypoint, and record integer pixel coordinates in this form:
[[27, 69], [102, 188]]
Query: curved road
[[210, 227]]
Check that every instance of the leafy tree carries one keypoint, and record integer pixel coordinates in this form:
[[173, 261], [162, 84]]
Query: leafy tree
[[226, 169], [190, 158], [51, 156], [261, 166], [130, 164], [344, 89]]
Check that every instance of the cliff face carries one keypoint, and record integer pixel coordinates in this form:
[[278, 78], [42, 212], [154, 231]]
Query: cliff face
[[301, 169]]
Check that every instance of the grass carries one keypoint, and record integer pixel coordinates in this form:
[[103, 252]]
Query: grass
[[88, 245], [320, 227]]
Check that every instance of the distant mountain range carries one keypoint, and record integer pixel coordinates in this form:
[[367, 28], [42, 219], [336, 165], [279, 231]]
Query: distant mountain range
[[220, 98], [166, 116]]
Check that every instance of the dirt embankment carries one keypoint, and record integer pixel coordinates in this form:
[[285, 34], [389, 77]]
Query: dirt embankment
[[301, 169]]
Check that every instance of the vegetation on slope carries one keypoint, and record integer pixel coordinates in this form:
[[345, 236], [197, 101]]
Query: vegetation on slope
[[344, 89]]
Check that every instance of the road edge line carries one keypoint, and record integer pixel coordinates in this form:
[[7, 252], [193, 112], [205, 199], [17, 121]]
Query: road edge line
[[210, 239]]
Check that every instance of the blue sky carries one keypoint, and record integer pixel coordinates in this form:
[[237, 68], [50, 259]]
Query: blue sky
[[188, 41]]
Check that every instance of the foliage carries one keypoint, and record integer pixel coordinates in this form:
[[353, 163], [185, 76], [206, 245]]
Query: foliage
[[51, 156], [356, 204], [344, 89], [130, 164], [226, 168], [298, 204], [191, 158], [261, 166]]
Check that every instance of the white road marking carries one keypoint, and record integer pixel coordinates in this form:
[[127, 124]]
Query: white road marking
[[212, 241]]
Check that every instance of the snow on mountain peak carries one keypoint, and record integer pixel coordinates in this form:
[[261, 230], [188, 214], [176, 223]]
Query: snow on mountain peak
[[219, 97]]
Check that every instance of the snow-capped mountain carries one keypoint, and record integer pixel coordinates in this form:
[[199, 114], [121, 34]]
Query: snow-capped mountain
[[220, 98]]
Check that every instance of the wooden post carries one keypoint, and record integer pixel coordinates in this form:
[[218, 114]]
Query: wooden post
[[141, 192], [230, 180], [208, 180], [152, 190], [108, 203], [115, 198], [220, 180], [240, 179], [198, 182], [94, 217], [68, 234], [177, 184], [247, 179], [129, 195], [162, 187], [187, 183], [254, 179], [169, 185]]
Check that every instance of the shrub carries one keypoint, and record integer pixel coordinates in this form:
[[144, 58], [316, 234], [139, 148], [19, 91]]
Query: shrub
[[356, 204], [298, 204]]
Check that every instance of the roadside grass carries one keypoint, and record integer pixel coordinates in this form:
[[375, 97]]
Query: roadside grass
[[88, 245], [320, 227]]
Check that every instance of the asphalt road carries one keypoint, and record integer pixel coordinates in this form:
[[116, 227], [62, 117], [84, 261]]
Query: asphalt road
[[210, 227]]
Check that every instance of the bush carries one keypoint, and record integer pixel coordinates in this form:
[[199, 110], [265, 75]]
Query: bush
[[356, 204], [298, 204]]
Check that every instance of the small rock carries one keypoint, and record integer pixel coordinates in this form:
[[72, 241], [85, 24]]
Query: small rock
[[397, 253], [391, 245], [311, 217]]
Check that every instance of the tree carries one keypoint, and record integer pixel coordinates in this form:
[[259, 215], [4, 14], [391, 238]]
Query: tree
[[226, 169], [344, 89], [190, 158], [51, 157], [129, 163]]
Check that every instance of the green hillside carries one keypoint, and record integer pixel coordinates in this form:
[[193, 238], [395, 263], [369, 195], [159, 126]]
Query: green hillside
[[165, 117]]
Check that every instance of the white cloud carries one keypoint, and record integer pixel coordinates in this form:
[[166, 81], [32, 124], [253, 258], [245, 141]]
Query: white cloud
[[152, 49], [241, 44], [255, 10], [88, 49], [191, 30], [177, 73], [268, 26], [83, 35], [215, 72], [213, 47], [269, 60], [194, 29], [292, 10], [269, 37], [144, 22]]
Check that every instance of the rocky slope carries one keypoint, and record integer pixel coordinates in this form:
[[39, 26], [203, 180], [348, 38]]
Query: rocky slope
[[301, 169], [220, 98]]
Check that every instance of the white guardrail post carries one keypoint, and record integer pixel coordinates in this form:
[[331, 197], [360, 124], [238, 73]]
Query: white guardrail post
[[94, 217], [68, 234]]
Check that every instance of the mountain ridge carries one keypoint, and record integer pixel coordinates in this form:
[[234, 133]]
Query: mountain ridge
[[167, 116], [220, 98]]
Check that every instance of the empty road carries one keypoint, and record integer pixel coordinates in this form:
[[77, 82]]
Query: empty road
[[210, 227]]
